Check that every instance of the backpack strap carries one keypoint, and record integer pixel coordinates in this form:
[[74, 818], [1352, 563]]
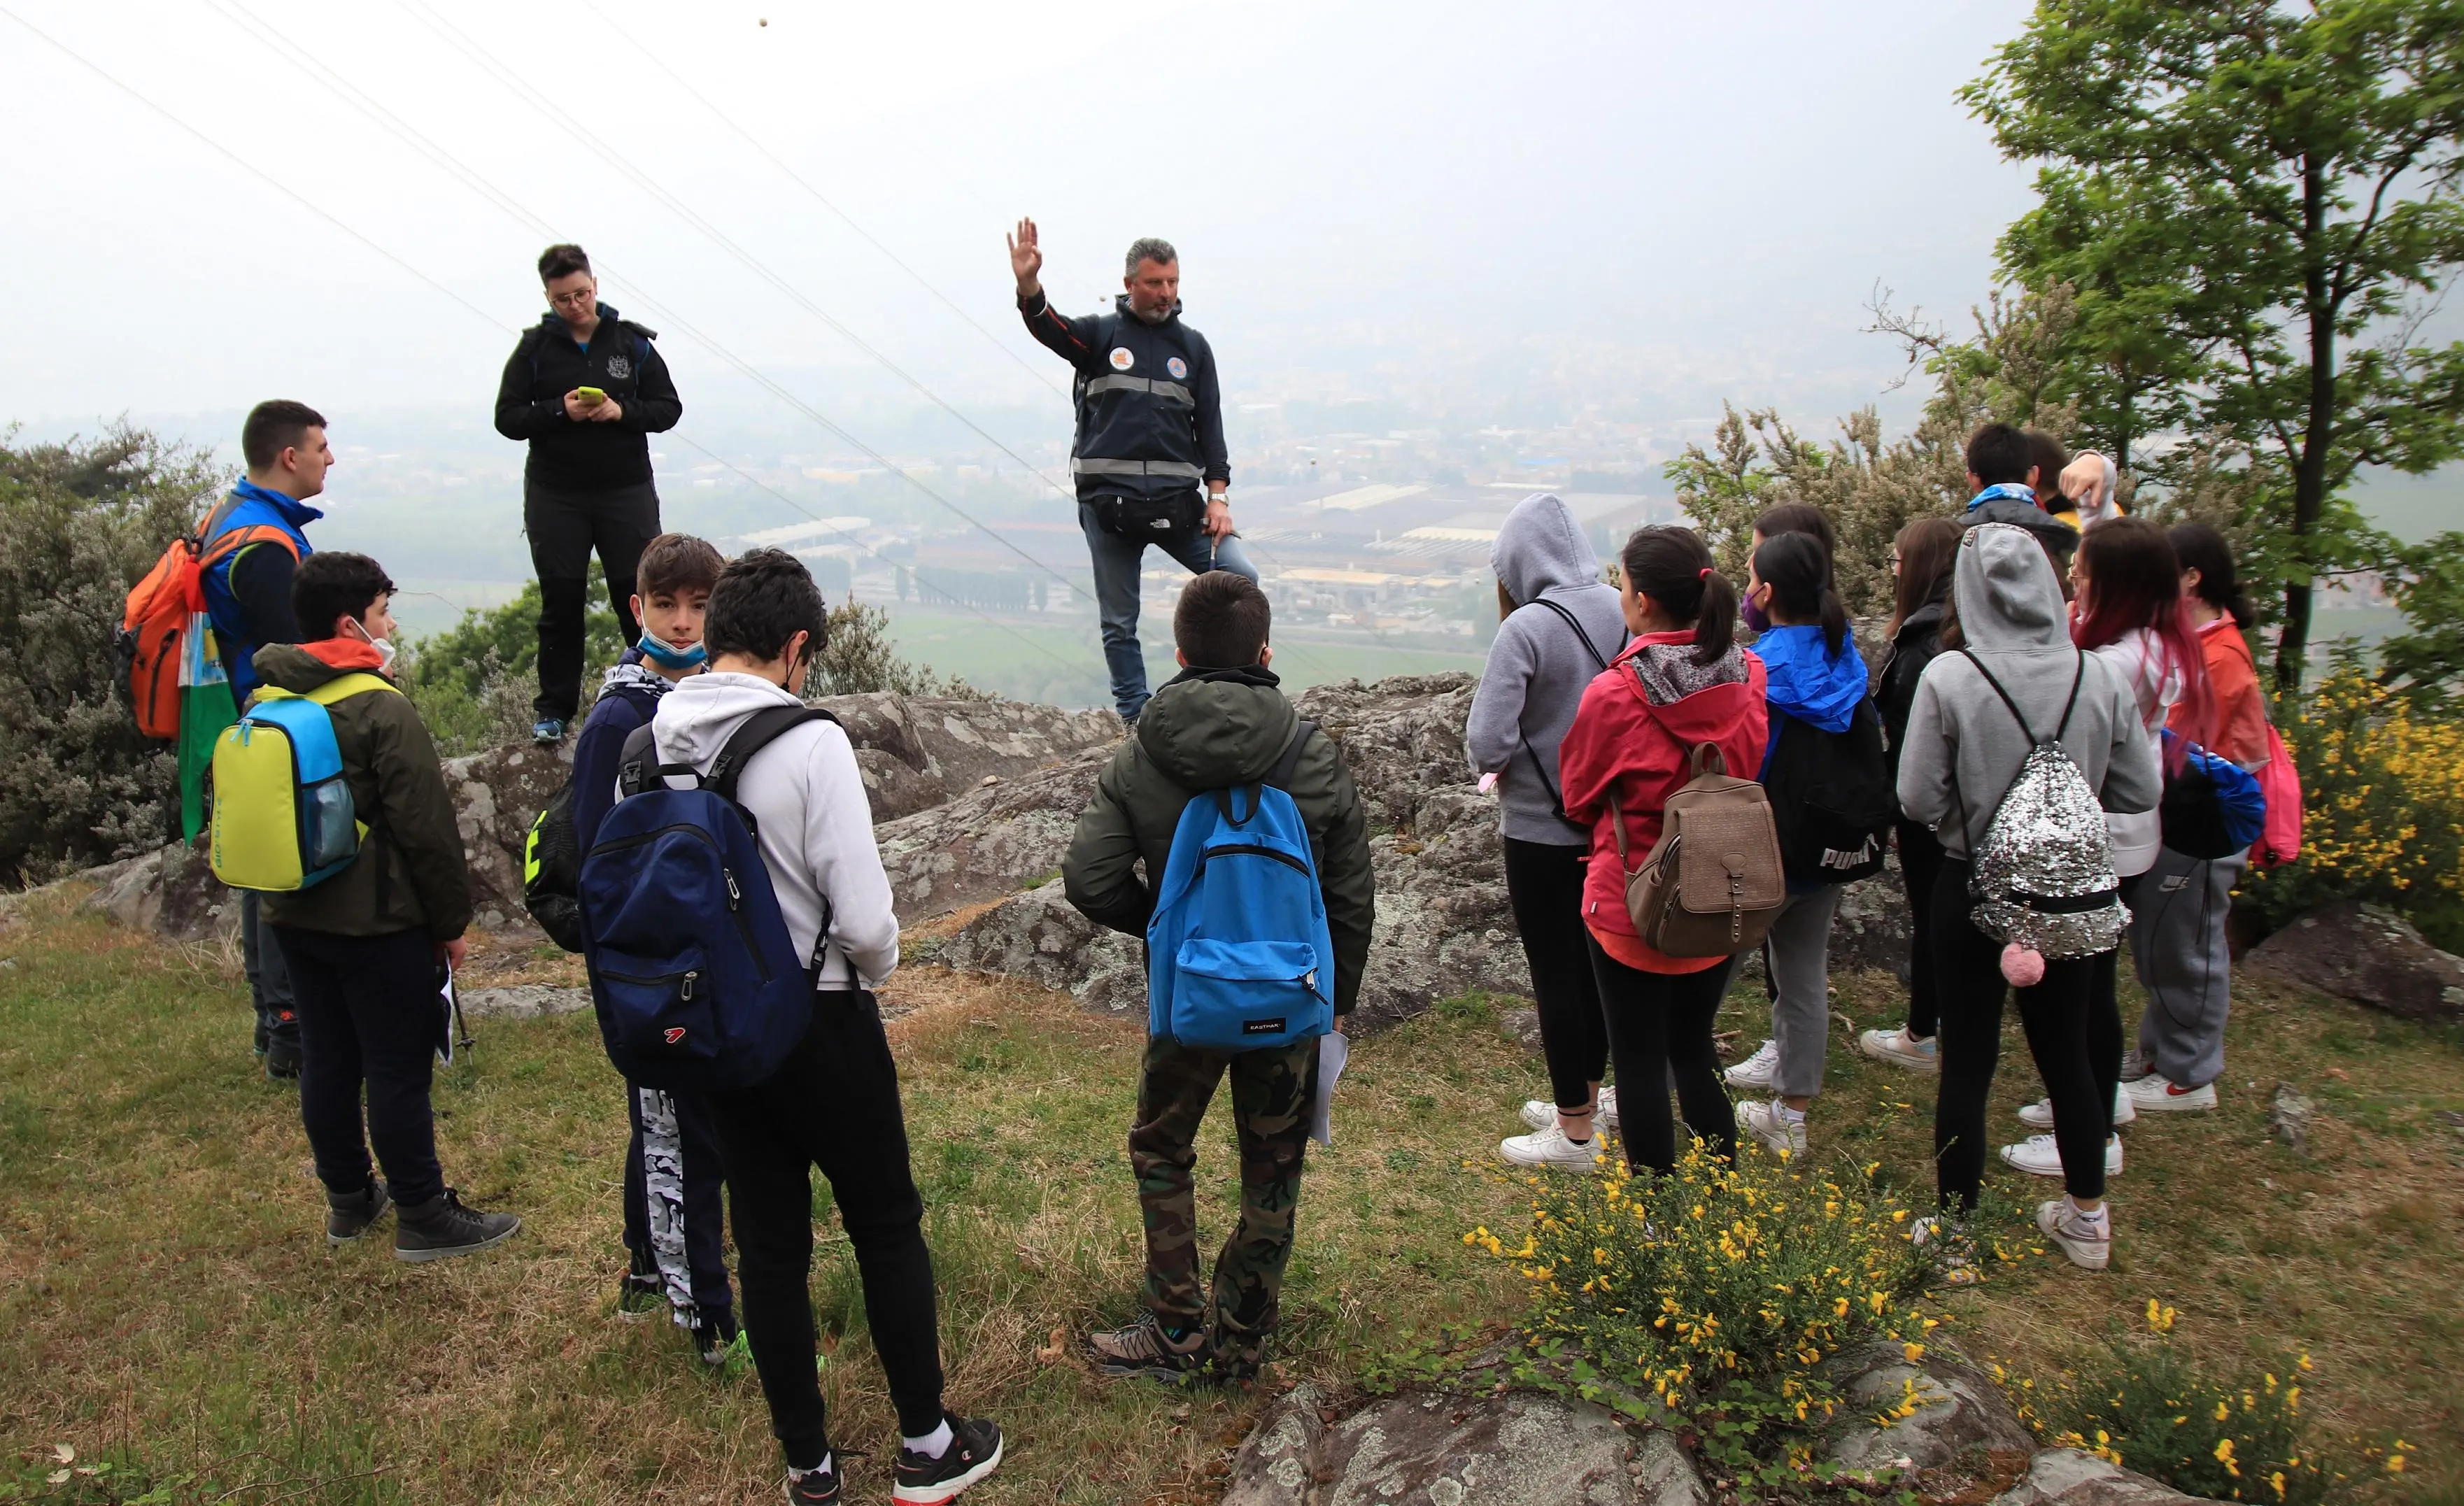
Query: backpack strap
[[1280, 776], [758, 731], [639, 757], [345, 686], [2078, 672], [1559, 607], [1556, 802], [2017, 714]]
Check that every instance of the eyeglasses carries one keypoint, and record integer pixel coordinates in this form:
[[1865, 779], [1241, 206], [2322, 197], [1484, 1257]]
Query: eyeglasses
[[579, 298]]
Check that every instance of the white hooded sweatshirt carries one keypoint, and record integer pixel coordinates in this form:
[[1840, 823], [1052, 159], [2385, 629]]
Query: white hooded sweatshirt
[[815, 819]]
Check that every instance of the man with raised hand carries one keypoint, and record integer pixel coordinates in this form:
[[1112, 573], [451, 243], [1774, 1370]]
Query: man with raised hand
[[1149, 453]]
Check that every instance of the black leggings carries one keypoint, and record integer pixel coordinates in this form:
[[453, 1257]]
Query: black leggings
[[2054, 1014], [1920, 866], [1544, 882], [2105, 1032], [1658, 1023]]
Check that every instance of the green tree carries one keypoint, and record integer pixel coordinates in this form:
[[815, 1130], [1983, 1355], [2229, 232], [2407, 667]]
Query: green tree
[[2252, 198]]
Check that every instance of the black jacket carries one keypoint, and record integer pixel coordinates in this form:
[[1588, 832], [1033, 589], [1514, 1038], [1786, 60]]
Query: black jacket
[[1150, 414], [1914, 646], [622, 363]]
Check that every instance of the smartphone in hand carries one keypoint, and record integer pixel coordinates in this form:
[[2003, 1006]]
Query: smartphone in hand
[[591, 396]]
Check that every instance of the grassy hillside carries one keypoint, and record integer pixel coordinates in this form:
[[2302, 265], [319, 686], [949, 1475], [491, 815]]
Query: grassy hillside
[[175, 1315]]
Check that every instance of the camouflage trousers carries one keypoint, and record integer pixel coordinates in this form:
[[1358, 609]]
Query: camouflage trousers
[[1270, 1111]]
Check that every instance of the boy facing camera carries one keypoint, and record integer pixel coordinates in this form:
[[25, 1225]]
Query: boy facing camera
[[1221, 724]]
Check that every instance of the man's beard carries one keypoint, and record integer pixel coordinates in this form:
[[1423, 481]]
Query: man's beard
[[1155, 316]]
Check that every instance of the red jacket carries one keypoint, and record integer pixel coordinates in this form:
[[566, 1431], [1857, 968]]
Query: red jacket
[[1621, 740], [2240, 706]]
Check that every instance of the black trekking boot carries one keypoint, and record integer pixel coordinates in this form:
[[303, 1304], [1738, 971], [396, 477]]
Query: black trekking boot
[[443, 1227], [348, 1215]]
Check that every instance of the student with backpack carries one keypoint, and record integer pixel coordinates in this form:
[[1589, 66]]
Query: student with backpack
[[1256, 907], [1683, 697], [1921, 560], [2017, 745], [368, 934], [2177, 934], [758, 986], [2127, 611], [673, 1228], [1559, 627], [1827, 780]]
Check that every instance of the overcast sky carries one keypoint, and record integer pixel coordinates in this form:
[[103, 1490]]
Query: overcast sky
[[1710, 191]]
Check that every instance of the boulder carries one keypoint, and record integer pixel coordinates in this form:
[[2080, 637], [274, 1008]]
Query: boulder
[[2369, 954], [1040, 938], [522, 1001], [918, 751], [496, 795], [1958, 1409], [2069, 1477], [991, 841], [1520, 1449]]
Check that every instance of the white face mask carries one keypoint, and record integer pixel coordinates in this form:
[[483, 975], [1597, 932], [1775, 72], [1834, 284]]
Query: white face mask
[[383, 646]]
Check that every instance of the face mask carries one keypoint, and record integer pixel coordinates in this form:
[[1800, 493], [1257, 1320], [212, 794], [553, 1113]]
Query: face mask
[[383, 646], [667, 656], [1755, 617]]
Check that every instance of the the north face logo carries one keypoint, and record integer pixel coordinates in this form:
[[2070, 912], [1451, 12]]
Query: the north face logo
[[619, 368], [675, 1033]]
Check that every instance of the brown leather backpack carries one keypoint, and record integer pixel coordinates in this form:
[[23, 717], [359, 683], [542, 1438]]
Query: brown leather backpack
[[1712, 883]]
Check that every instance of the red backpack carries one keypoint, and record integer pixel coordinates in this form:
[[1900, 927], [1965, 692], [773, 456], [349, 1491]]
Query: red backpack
[[2280, 841], [162, 611]]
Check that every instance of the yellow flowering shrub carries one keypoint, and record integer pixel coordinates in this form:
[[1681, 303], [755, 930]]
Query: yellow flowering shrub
[[2146, 1406], [2382, 807], [1717, 1292]]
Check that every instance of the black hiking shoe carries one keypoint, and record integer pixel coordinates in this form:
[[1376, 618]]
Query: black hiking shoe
[[1144, 1348], [347, 1217], [815, 1486], [281, 1058], [443, 1227], [975, 1451]]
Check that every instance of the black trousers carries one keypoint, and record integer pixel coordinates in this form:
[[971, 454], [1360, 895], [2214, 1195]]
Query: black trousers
[[833, 1105], [368, 1014], [1920, 867], [1659, 1023], [1544, 882], [2054, 1014], [564, 528], [673, 1225]]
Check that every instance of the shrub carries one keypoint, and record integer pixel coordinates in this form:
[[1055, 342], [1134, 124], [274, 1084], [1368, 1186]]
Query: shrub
[[860, 658], [2143, 1405], [1719, 1292]]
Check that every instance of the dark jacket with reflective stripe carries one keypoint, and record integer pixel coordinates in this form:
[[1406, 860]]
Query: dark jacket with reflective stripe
[[1149, 415]]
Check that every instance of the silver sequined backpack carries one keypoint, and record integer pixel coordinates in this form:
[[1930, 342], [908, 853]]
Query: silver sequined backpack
[[2043, 875]]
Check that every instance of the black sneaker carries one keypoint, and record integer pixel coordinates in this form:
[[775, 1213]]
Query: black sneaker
[[814, 1487], [975, 1451], [443, 1227], [1144, 1348], [348, 1217], [281, 1058]]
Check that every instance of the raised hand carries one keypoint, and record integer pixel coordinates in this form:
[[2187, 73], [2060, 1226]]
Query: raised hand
[[1026, 258]]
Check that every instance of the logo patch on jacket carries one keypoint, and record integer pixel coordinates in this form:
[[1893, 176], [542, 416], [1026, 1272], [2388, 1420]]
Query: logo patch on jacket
[[1122, 360], [675, 1033], [1179, 368], [619, 368]]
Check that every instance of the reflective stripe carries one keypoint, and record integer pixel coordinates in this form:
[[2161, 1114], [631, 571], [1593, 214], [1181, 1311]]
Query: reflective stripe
[[1161, 389], [1088, 465]]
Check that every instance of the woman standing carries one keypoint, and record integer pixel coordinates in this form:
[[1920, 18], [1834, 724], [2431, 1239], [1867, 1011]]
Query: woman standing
[[1682, 684], [1560, 625], [1920, 559]]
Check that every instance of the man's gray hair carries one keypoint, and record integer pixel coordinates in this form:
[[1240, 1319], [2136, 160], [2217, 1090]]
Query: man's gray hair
[[1148, 248]]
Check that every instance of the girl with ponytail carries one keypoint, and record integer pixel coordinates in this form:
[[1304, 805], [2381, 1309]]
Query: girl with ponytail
[[1684, 682]]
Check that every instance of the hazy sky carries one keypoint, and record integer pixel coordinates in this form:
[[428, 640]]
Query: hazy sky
[[1700, 197]]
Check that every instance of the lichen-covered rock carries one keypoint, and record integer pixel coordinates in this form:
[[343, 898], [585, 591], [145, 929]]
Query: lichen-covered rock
[[1040, 938], [496, 795], [1277, 1464], [1517, 1450], [2369, 954], [992, 841], [918, 752], [1956, 1409], [2068, 1477]]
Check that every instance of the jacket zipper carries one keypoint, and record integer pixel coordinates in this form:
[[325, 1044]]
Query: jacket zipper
[[1256, 850]]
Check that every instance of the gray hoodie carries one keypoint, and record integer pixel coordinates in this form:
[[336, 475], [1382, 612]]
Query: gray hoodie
[[1538, 666], [1964, 747]]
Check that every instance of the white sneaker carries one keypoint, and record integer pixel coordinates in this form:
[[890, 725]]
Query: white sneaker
[[2153, 1092], [2040, 1115], [1539, 1113], [1901, 1049], [1774, 1127], [1605, 1116], [1954, 1251], [1761, 1070], [1550, 1147], [2039, 1156], [2088, 1241]]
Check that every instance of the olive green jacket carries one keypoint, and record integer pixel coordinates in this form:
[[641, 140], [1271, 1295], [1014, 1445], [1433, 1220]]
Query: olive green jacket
[[1211, 730], [411, 873]]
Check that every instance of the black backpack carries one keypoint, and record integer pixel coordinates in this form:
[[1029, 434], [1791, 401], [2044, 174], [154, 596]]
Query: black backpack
[[551, 871], [1831, 797]]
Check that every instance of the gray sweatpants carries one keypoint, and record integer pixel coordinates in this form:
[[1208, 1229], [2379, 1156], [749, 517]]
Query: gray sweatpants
[[1798, 954], [2177, 947]]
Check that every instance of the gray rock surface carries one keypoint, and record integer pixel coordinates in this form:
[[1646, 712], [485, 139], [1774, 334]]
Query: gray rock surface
[[918, 752], [523, 1001], [1038, 937], [1958, 1409], [2369, 954], [1515, 1450], [2068, 1477], [990, 842]]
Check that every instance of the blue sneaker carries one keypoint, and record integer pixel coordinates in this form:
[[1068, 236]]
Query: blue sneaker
[[548, 730]]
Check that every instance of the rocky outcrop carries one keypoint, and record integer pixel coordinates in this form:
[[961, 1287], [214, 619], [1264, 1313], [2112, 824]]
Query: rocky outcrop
[[1956, 1411], [2367, 954], [918, 752], [2068, 1477]]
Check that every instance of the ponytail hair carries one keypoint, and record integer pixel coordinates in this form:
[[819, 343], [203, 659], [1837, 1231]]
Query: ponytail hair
[[1798, 572], [2201, 548], [1672, 565]]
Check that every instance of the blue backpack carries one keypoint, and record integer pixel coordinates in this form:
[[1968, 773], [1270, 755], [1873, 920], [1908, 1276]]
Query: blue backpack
[[2212, 807], [1239, 957], [695, 982]]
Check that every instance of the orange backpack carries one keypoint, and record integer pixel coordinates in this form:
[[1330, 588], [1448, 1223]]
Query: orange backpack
[[162, 611]]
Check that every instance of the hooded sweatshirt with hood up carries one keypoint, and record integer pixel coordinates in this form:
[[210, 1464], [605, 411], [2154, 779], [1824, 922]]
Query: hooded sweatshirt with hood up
[[1539, 667], [1963, 747], [815, 820], [1632, 736], [1212, 730]]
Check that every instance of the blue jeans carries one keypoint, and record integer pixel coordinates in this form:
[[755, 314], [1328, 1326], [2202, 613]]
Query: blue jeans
[[1118, 561]]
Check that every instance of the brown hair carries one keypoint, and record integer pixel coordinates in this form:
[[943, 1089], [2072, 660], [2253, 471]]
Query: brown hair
[[562, 260], [274, 427], [2047, 454], [1673, 566], [674, 562], [1800, 517], [1221, 622], [1926, 546]]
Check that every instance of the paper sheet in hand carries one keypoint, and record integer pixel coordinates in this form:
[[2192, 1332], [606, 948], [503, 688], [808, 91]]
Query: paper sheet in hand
[[1332, 1052], [449, 1009]]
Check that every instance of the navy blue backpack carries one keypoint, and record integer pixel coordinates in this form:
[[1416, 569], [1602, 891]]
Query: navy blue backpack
[[694, 980], [1239, 957]]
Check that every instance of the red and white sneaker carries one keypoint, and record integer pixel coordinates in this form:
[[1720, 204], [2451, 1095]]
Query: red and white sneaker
[[975, 1451], [2154, 1093]]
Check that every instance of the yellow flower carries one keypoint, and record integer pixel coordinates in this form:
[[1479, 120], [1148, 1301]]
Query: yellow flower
[[2225, 1458], [1914, 1352]]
